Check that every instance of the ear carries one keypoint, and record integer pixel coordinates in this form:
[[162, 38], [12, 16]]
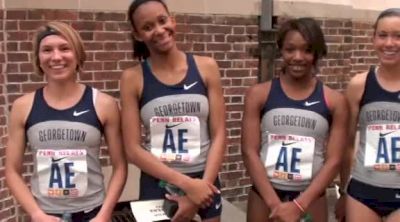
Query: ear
[[136, 36]]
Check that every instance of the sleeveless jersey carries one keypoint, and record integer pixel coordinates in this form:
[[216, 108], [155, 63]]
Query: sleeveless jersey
[[293, 134], [65, 145], [175, 118], [378, 153]]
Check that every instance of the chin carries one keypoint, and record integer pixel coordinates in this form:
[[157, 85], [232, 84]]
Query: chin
[[390, 62]]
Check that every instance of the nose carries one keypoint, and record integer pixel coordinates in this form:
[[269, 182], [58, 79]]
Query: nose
[[298, 55], [389, 40], [56, 55], [159, 29]]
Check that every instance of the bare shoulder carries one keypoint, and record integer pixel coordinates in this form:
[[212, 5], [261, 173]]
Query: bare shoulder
[[24, 102], [355, 88], [207, 66], [22, 106], [205, 61], [132, 73], [358, 81], [105, 100], [259, 88], [258, 93], [334, 97], [132, 80]]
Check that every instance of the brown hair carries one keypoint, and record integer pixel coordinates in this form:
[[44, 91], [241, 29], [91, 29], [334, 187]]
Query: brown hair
[[64, 30], [386, 13]]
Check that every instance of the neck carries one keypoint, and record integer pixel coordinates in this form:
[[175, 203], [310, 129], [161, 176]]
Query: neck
[[390, 72], [300, 83], [62, 90], [167, 61]]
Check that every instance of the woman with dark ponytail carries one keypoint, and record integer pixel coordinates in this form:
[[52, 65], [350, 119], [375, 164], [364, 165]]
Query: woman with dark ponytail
[[178, 98]]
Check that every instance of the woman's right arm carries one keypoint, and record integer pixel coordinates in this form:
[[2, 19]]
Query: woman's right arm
[[251, 141], [199, 191], [15, 156], [353, 94]]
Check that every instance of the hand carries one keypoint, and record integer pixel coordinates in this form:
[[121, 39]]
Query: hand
[[286, 212], [42, 217], [340, 208], [186, 208], [201, 192]]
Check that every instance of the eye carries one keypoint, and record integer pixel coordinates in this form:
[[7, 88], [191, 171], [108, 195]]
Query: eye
[[309, 50], [65, 48], [147, 27], [382, 35], [163, 19], [45, 49], [288, 49]]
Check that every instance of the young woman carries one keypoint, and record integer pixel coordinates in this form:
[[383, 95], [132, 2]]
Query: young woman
[[178, 99], [63, 122], [301, 125], [374, 188]]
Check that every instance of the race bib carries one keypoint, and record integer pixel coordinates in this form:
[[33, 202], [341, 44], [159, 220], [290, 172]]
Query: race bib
[[382, 148], [62, 173], [175, 139], [290, 157]]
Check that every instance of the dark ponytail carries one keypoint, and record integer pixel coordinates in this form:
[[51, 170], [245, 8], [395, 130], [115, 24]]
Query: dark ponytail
[[140, 50]]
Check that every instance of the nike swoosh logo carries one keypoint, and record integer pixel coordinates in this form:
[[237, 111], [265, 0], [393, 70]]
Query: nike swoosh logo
[[311, 103], [171, 126], [187, 87], [288, 144], [385, 134], [80, 113], [218, 205], [58, 159]]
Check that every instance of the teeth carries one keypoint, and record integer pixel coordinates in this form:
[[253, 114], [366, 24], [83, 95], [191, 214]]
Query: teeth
[[389, 53], [297, 67], [57, 67]]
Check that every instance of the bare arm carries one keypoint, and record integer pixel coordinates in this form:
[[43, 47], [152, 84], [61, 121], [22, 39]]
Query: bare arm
[[131, 86], [335, 146], [210, 72], [108, 111], [251, 142], [353, 95], [15, 156]]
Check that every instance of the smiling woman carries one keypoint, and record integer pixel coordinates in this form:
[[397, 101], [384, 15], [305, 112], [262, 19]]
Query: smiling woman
[[374, 188], [178, 98], [300, 125], [64, 122]]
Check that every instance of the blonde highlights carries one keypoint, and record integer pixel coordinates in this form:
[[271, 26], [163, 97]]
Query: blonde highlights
[[68, 33]]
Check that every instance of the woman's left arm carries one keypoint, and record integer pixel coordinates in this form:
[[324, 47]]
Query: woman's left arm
[[211, 76], [109, 115], [335, 147]]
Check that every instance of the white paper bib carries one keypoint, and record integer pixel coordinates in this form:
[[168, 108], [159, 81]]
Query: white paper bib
[[175, 138], [62, 173], [382, 148], [290, 157]]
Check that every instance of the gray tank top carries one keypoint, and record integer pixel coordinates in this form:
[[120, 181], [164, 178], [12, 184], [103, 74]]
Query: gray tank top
[[65, 144], [175, 118], [293, 133], [378, 152]]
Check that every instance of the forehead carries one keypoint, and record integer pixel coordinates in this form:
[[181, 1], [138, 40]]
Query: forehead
[[294, 37], [51, 40], [148, 11], [390, 23]]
